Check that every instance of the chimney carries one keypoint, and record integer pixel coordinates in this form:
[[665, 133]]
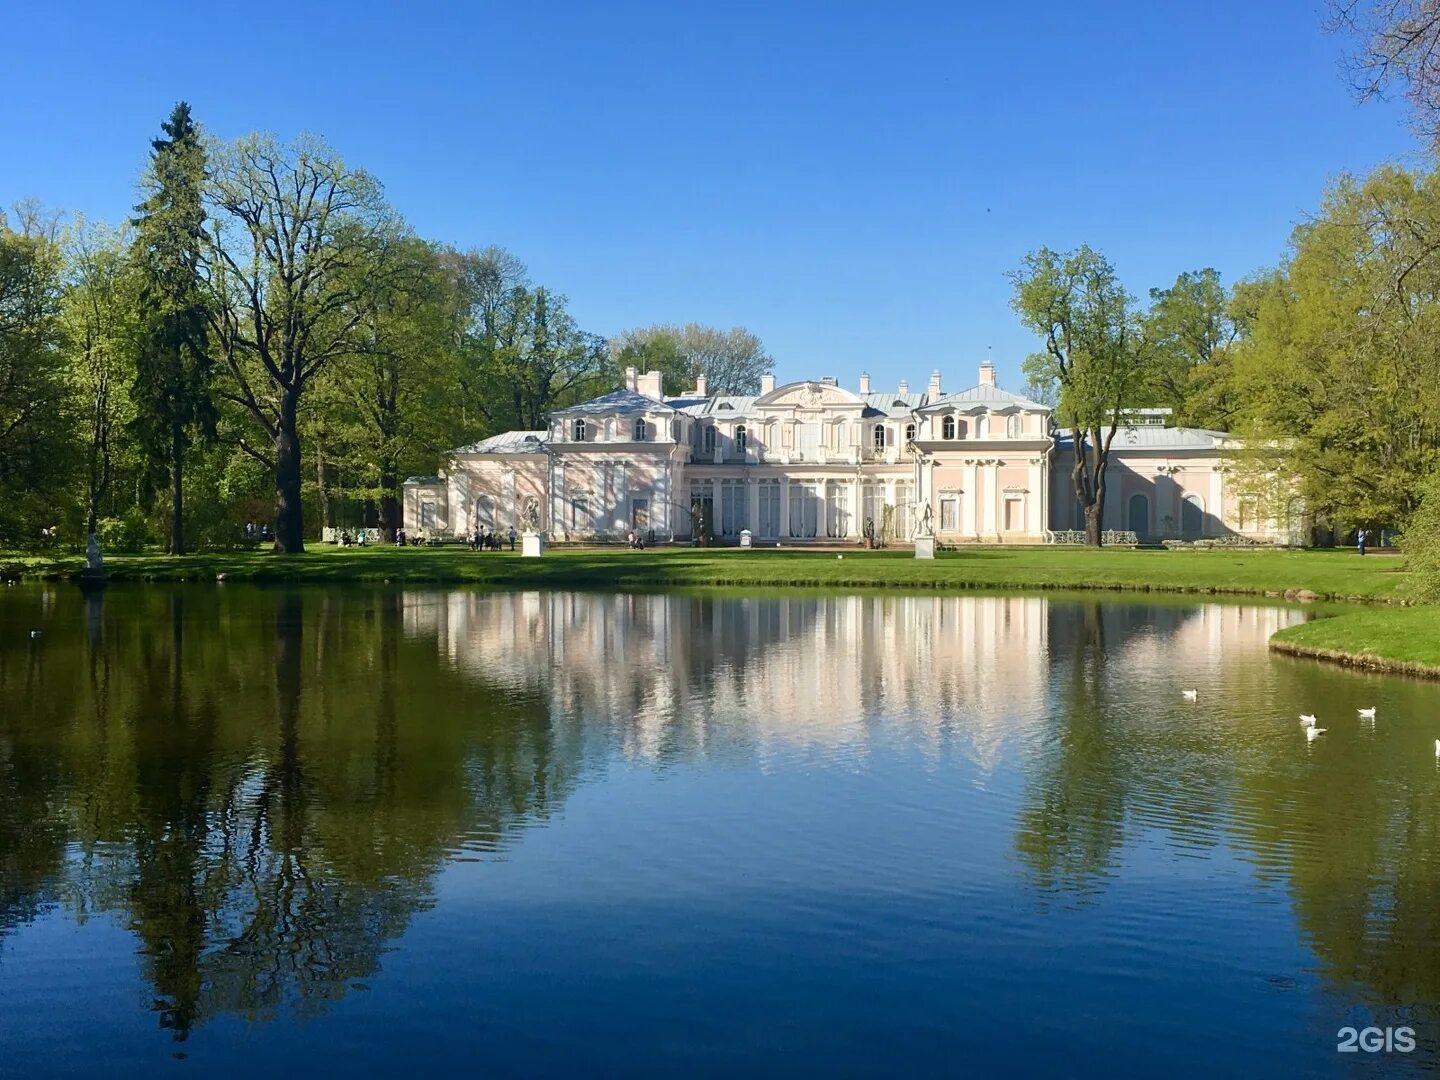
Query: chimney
[[767, 383], [904, 387], [629, 378], [864, 382], [987, 374], [649, 384], [934, 389], [701, 386]]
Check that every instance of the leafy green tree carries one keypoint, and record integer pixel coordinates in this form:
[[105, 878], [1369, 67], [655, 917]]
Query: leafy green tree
[[172, 386], [388, 409], [732, 361], [522, 354], [1421, 543], [99, 313], [37, 444], [296, 259], [1335, 364], [1095, 354], [1189, 326]]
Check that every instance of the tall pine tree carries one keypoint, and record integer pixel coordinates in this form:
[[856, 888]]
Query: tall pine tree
[[172, 395]]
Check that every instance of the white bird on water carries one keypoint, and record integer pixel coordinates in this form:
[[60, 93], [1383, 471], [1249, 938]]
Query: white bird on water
[[1366, 714], [1190, 695], [1313, 733], [1437, 748], [34, 633], [1306, 720]]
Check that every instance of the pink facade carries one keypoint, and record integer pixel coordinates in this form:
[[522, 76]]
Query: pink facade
[[813, 461]]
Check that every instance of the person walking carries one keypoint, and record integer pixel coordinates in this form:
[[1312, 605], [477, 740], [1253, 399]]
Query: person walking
[[510, 535], [1360, 541]]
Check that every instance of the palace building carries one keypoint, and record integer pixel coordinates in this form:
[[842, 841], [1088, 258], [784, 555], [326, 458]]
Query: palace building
[[814, 461]]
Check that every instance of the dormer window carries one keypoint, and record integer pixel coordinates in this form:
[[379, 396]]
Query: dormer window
[[897, 403], [947, 428], [879, 436], [725, 405], [909, 433], [709, 440], [740, 438], [642, 430], [1012, 426], [577, 431]]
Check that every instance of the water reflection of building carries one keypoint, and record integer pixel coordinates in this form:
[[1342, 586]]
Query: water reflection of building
[[687, 673]]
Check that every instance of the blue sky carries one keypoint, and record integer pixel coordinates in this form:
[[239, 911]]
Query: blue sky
[[851, 181]]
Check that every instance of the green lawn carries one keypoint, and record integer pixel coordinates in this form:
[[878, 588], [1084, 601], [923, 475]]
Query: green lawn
[[1407, 639], [1330, 574]]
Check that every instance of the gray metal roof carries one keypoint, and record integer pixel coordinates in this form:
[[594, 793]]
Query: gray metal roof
[[1150, 437], [893, 403], [991, 396], [617, 401], [509, 442], [422, 481], [726, 405]]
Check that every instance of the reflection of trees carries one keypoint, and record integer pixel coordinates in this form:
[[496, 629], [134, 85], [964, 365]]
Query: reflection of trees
[[1073, 817], [264, 784]]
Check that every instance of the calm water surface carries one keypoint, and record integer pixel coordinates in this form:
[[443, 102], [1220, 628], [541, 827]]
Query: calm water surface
[[371, 830]]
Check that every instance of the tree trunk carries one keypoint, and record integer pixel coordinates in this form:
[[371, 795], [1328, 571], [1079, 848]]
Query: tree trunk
[[389, 503], [289, 515], [177, 490], [1092, 524]]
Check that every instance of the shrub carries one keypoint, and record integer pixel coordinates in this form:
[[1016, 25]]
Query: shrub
[[1421, 543], [130, 532]]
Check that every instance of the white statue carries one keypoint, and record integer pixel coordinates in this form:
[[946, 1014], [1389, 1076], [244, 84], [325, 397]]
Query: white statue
[[924, 526], [532, 514], [92, 553]]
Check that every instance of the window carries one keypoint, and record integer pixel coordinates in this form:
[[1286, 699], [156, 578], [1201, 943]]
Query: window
[[950, 515], [879, 436], [740, 438], [909, 433], [1012, 426], [982, 427], [427, 514], [732, 509], [642, 430], [947, 429], [578, 431], [709, 440], [579, 511]]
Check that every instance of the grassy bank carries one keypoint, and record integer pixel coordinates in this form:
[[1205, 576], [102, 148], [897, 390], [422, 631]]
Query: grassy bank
[[1406, 640], [1335, 575]]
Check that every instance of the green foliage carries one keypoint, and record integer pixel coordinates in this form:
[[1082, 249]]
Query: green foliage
[[38, 448], [171, 387], [1096, 358], [1421, 542], [1335, 363], [129, 532], [732, 361], [1189, 326]]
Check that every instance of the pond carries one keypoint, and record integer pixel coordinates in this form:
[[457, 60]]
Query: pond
[[374, 829]]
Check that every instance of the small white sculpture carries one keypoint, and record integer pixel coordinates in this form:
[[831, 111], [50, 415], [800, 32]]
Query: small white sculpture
[[924, 526]]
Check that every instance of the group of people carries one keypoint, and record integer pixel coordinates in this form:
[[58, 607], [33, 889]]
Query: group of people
[[257, 530], [484, 538]]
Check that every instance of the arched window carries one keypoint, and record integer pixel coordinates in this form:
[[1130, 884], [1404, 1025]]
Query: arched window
[[1012, 426], [947, 429], [879, 436], [709, 440], [578, 432], [740, 438], [909, 433], [982, 426], [641, 431]]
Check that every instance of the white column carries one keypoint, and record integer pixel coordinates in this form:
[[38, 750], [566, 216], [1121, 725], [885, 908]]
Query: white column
[[752, 506], [852, 529], [1034, 500], [992, 499], [970, 501], [785, 507]]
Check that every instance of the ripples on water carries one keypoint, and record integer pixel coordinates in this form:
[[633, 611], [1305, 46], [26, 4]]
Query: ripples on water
[[542, 833]]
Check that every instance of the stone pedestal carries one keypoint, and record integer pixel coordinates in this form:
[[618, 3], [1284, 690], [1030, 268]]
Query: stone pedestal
[[744, 538], [532, 545], [924, 547]]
